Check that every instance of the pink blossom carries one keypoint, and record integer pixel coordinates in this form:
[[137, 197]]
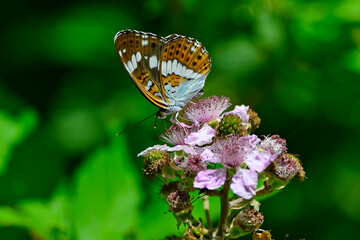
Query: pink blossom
[[201, 137], [187, 149], [176, 134], [163, 148], [210, 179], [206, 109], [274, 144], [241, 111], [234, 152], [244, 183]]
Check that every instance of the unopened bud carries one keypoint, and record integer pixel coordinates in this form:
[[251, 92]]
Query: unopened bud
[[245, 222], [262, 235], [231, 124], [179, 201], [254, 120]]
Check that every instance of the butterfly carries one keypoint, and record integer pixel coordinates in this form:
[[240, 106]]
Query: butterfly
[[169, 71]]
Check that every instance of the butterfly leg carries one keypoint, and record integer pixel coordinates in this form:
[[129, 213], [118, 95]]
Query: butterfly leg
[[179, 123]]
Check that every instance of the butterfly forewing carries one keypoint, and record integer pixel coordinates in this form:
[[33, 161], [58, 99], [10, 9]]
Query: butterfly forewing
[[140, 53]]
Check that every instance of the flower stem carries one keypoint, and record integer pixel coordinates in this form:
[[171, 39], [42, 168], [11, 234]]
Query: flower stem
[[224, 201], [207, 213]]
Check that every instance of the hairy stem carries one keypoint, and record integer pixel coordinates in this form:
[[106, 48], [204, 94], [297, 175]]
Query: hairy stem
[[224, 201], [207, 213]]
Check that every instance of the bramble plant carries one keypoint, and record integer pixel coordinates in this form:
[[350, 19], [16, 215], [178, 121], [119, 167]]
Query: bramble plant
[[217, 154]]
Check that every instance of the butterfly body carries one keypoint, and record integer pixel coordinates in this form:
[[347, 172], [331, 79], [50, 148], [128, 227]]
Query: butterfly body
[[169, 71]]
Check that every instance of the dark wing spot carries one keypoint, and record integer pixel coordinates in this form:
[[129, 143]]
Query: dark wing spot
[[187, 59], [194, 63], [165, 50], [131, 41], [170, 54], [179, 45], [182, 55], [177, 52], [172, 46], [153, 45], [124, 43], [199, 57], [185, 47]]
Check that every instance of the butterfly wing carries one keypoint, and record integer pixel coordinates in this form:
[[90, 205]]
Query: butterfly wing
[[140, 54], [184, 66]]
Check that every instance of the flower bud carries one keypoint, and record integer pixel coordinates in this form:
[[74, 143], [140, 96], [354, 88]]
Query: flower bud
[[179, 201], [157, 162], [262, 235], [245, 222], [195, 233], [180, 204], [254, 120], [166, 189], [231, 124], [283, 169]]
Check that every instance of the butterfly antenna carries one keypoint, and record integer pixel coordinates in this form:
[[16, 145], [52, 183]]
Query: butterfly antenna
[[155, 123], [136, 124]]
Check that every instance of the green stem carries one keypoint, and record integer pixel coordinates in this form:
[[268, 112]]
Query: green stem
[[207, 213], [224, 201]]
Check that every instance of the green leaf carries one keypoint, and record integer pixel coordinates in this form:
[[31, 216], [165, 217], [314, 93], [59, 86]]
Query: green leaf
[[45, 220], [13, 130], [107, 195]]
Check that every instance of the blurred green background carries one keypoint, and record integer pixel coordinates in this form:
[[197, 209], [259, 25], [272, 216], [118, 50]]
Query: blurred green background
[[64, 94]]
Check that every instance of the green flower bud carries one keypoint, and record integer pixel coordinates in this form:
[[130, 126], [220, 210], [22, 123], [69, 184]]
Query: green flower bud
[[231, 124]]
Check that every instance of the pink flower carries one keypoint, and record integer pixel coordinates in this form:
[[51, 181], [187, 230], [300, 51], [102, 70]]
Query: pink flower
[[241, 111], [206, 109], [176, 134], [201, 137], [193, 164], [274, 144], [187, 149], [163, 148], [210, 179], [244, 183], [234, 152]]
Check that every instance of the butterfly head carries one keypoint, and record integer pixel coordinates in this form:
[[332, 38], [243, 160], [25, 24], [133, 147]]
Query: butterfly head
[[161, 114]]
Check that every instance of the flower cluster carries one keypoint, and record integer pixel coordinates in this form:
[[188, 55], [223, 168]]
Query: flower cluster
[[216, 151]]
